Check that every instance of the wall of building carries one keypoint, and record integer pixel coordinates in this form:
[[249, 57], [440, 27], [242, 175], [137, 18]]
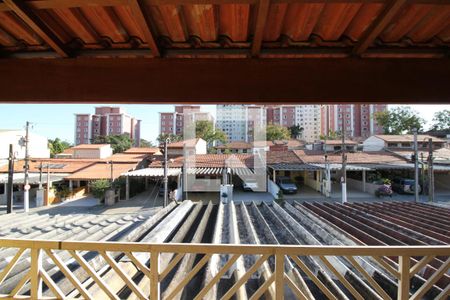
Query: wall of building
[[37, 147]]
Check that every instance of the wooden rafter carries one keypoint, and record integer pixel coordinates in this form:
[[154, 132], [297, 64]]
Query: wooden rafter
[[374, 30], [263, 11], [37, 25], [50, 4], [138, 12], [331, 80]]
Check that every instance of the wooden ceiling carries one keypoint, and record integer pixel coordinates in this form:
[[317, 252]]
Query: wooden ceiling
[[210, 51], [225, 28]]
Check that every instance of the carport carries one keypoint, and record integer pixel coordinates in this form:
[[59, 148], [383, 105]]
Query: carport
[[150, 173]]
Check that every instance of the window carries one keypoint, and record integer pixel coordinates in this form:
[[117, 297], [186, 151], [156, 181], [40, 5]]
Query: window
[[85, 130], [78, 129], [163, 117]]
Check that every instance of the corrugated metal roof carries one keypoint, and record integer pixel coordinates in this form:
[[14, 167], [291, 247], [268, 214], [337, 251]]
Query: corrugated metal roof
[[33, 178], [152, 172], [183, 28]]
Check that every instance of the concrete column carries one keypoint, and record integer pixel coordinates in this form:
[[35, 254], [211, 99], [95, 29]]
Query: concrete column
[[70, 185], [127, 188], [274, 175], [364, 180]]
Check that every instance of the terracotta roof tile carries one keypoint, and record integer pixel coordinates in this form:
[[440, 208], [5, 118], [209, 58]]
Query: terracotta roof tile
[[89, 146], [102, 171], [68, 165], [142, 150], [307, 156], [407, 138]]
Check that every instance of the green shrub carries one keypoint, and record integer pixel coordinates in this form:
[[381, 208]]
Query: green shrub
[[99, 187]]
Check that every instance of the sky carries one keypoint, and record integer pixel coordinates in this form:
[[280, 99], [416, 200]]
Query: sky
[[58, 120]]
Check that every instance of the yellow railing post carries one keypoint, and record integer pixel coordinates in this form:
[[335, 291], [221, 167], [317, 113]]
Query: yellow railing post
[[35, 279], [154, 276], [279, 275], [403, 282]]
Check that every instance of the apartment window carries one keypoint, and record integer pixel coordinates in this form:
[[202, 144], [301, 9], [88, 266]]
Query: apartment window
[[118, 124], [392, 144], [348, 121], [85, 130], [163, 116], [340, 115], [86, 118], [347, 115], [85, 135], [85, 123], [111, 124], [163, 123], [96, 130], [78, 129]]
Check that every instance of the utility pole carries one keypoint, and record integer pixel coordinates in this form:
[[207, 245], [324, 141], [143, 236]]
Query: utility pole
[[9, 190], [165, 174], [40, 176], [416, 168], [344, 169], [430, 171], [26, 187], [111, 171]]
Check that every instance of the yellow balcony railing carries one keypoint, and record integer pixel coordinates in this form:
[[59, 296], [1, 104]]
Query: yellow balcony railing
[[105, 269]]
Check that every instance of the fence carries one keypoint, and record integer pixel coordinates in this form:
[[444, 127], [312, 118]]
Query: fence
[[152, 261]]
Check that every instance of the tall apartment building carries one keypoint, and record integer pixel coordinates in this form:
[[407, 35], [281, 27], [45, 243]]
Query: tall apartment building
[[356, 119], [106, 121], [173, 122], [306, 116], [240, 122]]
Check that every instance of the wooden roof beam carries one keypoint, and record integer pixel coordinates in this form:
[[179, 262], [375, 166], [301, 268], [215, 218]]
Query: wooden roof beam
[[261, 19], [37, 25], [374, 30], [137, 7]]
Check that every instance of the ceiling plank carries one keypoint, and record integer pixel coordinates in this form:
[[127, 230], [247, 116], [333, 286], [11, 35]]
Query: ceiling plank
[[138, 10], [37, 25], [50, 4], [380, 23], [263, 12], [143, 80]]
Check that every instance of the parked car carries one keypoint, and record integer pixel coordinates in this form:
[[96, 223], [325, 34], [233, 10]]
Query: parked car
[[404, 186], [249, 185], [287, 185]]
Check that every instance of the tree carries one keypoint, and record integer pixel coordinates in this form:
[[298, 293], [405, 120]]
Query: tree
[[145, 144], [99, 187], [57, 146], [277, 132], [332, 135], [119, 143], [172, 137], [205, 130], [400, 120], [441, 120], [296, 131]]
